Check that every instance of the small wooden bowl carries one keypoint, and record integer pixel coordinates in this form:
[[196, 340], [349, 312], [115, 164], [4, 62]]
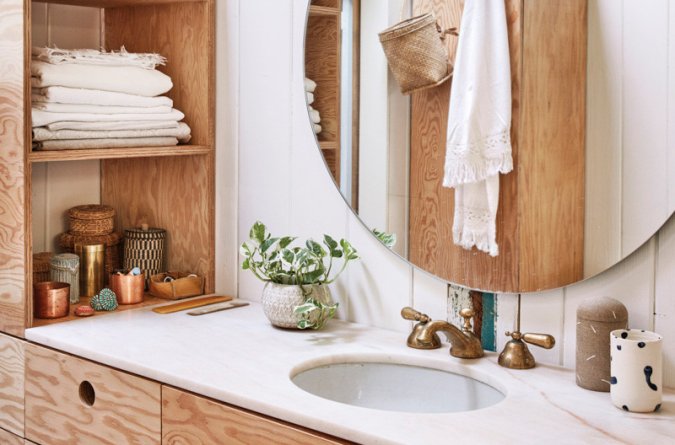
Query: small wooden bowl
[[51, 299]]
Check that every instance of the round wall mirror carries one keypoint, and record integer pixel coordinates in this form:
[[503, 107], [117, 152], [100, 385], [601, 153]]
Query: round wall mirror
[[591, 180]]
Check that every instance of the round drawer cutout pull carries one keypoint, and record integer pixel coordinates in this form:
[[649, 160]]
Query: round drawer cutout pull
[[87, 393]]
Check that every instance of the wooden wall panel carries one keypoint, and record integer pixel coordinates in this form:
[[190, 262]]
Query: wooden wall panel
[[11, 385], [176, 194], [124, 409], [13, 261], [189, 419], [184, 34], [431, 204], [552, 145]]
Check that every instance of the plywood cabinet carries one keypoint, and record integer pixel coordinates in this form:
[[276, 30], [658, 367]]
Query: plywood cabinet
[[7, 438], [190, 419], [11, 385], [71, 401], [168, 187]]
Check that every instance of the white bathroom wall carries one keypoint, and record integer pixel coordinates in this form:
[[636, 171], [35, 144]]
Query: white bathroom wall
[[283, 182], [57, 186]]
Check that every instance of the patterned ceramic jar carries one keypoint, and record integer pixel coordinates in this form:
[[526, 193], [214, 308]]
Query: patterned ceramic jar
[[636, 368], [279, 302]]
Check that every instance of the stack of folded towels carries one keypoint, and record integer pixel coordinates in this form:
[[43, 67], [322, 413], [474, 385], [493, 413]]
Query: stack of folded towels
[[314, 116], [97, 99]]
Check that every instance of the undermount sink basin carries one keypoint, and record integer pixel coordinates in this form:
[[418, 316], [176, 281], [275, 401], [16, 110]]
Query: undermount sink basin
[[397, 387]]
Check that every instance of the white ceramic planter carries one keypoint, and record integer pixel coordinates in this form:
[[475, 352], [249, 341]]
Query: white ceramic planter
[[279, 301], [636, 370]]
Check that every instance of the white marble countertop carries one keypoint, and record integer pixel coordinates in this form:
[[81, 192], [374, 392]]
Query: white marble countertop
[[237, 357]]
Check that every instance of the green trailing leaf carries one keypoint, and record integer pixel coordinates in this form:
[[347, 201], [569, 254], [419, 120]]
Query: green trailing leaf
[[388, 239], [315, 248], [257, 232], [265, 245]]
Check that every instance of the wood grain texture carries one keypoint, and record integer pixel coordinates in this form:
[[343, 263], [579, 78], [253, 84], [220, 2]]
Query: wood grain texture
[[521, 211], [11, 384], [551, 156], [192, 420], [118, 3], [126, 409], [13, 258], [431, 204], [117, 153], [7, 438], [322, 65], [184, 34], [176, 194]]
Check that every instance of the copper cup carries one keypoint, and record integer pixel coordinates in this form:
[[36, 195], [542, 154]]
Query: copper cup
[[128, 288], [51, 299]]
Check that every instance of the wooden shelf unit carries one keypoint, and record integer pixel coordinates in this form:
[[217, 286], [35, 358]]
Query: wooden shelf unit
[[322, 65], [168, 187]]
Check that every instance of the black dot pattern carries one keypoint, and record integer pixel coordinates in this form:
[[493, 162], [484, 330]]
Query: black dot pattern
[[612, 380], [641, 344], [625, 408], [624, 334], [618, 347], [658, 407]]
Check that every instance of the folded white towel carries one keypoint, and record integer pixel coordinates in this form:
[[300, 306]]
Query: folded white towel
[[314, 115], [310, 98], [122, 79], [79, 144], [110, 126], [317, 128], [65, 95], [42, 118], [310, 85], [94, 57], [479, 123], [98, 109], [181, 132]]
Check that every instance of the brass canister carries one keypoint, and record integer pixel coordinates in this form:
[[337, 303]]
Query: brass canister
[[51, 299], [92, 268], [128, 288]]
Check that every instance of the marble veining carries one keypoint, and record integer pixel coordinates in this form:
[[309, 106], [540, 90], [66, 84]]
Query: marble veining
[[237, 357]]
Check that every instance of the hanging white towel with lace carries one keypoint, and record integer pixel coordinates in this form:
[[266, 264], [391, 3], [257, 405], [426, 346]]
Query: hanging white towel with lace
[[479, 124]]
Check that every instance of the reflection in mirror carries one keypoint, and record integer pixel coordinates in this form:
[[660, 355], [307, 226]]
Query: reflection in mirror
[[591, 178]]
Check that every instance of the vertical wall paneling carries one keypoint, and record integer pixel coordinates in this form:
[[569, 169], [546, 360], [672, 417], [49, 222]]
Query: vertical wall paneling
[[602, 229], [227, 106], [13, 261], [671, 108], [644, 74], [427, 291], [11, 385], [265, 162], [664, 317]]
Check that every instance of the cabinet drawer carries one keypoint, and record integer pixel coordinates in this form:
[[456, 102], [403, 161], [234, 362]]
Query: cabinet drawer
[[193, 420], [7, 438], [71, 401], [11, 384]]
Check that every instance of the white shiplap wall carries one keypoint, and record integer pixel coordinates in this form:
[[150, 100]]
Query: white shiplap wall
[[283, 182]]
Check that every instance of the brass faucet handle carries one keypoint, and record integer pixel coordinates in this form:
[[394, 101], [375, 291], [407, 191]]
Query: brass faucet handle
[[542, 340], [411, 314], [467, 314]]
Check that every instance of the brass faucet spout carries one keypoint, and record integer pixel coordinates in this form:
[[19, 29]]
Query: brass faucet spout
[[464, 343]]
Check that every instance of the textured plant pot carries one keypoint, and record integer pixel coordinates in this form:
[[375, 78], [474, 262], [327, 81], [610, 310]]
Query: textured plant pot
[[280, 300], [636, 368]]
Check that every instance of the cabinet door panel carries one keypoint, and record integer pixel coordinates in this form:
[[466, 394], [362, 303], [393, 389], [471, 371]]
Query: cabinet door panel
[[70, 401], [9, 438], [11, 384], [189, 419]]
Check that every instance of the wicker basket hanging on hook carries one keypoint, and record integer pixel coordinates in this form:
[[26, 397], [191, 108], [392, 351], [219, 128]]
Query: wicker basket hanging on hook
[[417, 53]]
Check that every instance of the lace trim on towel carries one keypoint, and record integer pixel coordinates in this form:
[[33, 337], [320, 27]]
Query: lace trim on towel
[[475, 161], [475, 227]]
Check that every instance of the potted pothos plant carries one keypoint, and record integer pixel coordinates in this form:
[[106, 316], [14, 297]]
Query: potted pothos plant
[[296, 294]]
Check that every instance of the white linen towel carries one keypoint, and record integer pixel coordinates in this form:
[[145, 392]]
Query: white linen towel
[[65, 95], [479, 124], [98, 109], [42, 118], [109, 126], [80, 144], [314, 115], [122, 79], [310, 98], [310, 85], [95, 57], [316, 128], [181, 132]]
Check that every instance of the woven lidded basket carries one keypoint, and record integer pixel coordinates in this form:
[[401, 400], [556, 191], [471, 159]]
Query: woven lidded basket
[[91, 219], [144, 248], [41, 266], [112, 241], [416, 53]]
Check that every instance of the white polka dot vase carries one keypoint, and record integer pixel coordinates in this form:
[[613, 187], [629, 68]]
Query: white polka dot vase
[[636, 370], [279, 302]]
